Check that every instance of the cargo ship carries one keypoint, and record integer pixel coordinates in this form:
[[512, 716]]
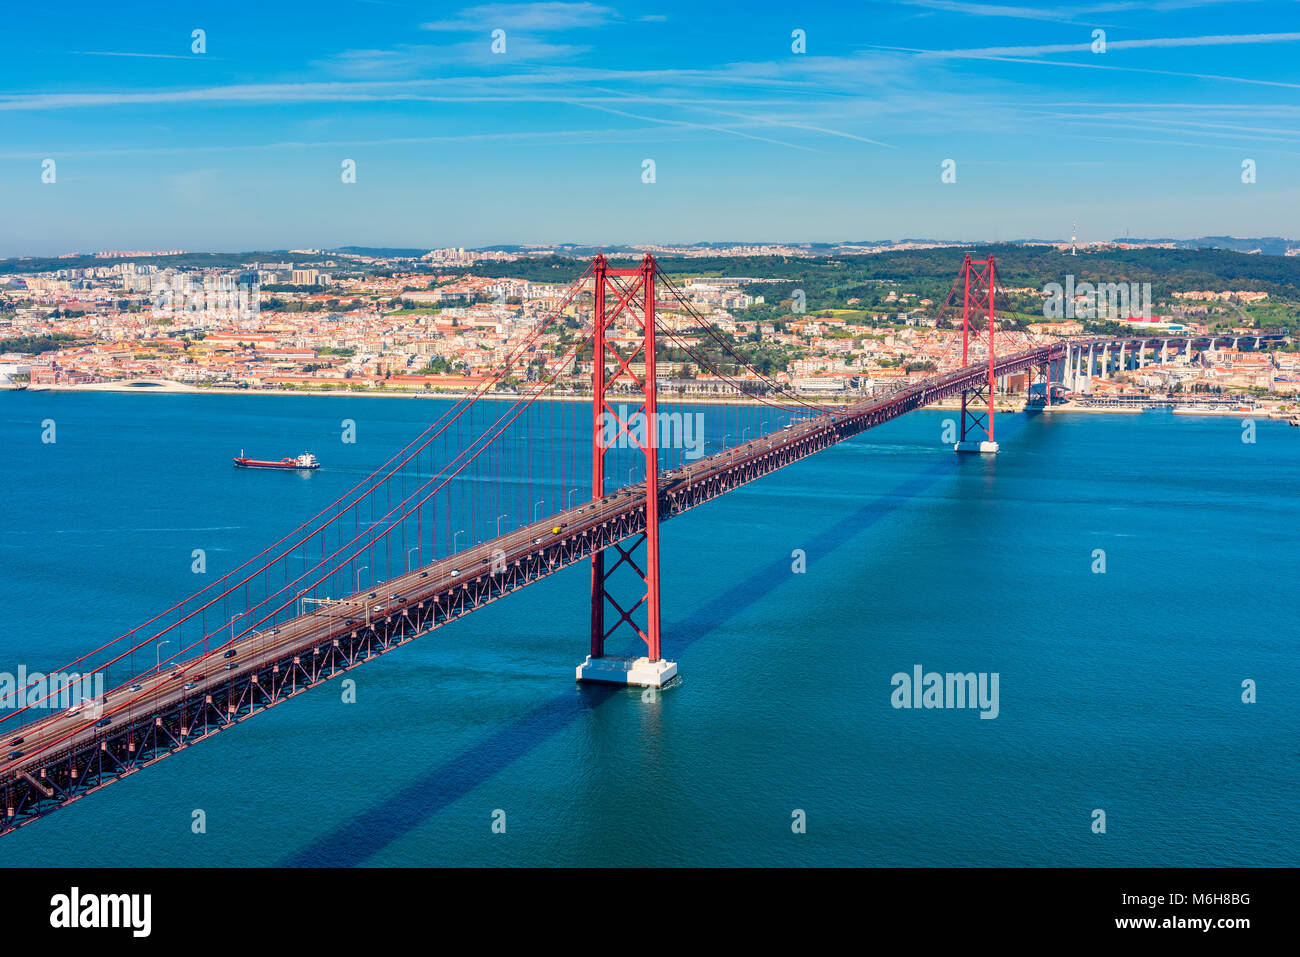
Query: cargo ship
[[304, 461]]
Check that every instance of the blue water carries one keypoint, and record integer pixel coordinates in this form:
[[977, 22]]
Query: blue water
[[1118, 691]]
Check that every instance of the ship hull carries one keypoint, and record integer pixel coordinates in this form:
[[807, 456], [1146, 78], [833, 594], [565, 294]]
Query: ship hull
[[289, 466]]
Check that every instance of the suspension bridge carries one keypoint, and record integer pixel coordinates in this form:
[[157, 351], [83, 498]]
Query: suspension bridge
[[312, 606]]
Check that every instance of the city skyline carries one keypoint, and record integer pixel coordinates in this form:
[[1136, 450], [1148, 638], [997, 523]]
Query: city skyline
[[244, 145]]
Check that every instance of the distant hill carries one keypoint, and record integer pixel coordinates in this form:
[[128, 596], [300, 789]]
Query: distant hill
[[1209, 262], [1267, 245], [186, 260], [931, 271]]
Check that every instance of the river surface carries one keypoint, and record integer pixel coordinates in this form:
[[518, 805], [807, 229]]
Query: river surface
[[789, 605]]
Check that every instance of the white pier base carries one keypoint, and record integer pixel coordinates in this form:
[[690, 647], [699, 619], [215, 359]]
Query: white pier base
[[988, 448], [642, 672]]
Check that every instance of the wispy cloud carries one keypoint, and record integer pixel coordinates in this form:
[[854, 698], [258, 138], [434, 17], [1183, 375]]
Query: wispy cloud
[[234, 93], [566, 136], [990, 54], [685, 124], [416, 59], [1147, 120], [765, 120], [1064, 14], [1141, 44], [535, 17], [1057, 14], [148, 56]]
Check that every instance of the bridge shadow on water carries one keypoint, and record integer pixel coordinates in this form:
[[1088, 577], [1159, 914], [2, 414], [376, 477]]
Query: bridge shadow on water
[[366, 833]]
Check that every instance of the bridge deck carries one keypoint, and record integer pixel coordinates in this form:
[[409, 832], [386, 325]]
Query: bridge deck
[[68, 755]]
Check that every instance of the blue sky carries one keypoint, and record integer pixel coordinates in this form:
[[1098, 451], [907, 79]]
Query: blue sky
[[240, 147]]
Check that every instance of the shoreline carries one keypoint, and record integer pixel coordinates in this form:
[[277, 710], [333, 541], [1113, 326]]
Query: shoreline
[[179, 389], [175, 388], [1091, 410], [943, 405]]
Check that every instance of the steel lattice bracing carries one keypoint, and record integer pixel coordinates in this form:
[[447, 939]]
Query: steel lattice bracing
[[977, 326], [624, 334]]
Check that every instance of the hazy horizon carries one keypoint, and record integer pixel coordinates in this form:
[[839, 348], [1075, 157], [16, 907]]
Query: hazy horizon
[[344, 247]]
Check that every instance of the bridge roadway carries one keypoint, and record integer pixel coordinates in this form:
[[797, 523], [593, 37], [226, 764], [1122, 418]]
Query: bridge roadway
[[67, 755]]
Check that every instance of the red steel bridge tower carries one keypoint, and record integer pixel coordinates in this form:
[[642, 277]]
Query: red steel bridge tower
[[625, 336], [979, 281]]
